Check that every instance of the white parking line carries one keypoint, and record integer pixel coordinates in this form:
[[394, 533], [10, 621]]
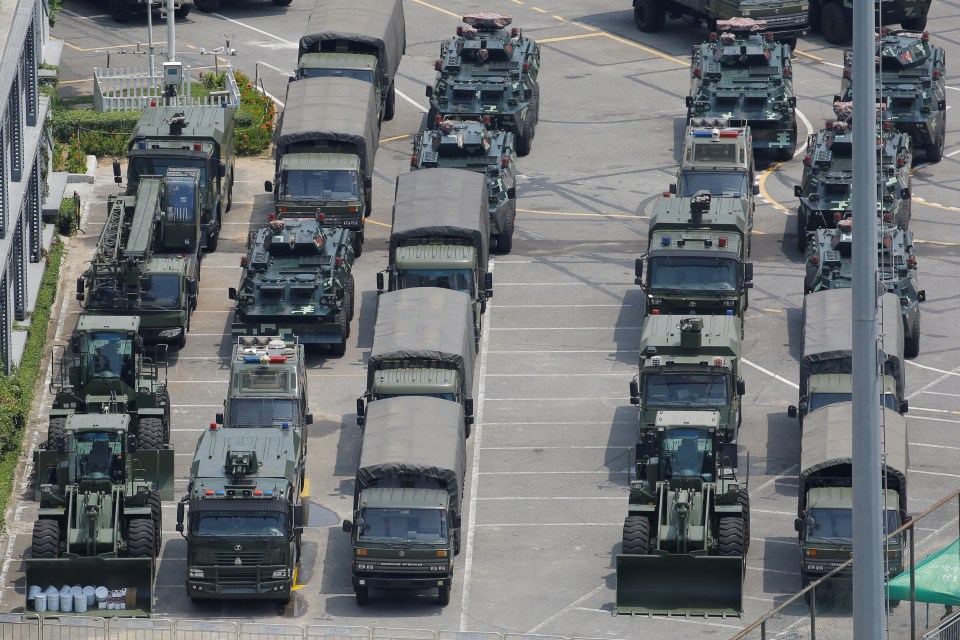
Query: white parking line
[[633, 327], [550, 399], [769, 373], [422, 109], [566, 351], [506, 498], [615, 423], [935, 473], [557, 375], [252, 28], [553, 473], [567, 608]]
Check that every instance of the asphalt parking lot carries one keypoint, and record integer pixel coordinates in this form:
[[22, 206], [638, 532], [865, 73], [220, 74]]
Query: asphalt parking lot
[[552, 444]]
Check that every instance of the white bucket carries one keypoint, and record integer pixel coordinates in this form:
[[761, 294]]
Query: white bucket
[[40, 602], [90, 593], [66, 601], [79, 602], [53, 601], [101, 594], [34, 590]]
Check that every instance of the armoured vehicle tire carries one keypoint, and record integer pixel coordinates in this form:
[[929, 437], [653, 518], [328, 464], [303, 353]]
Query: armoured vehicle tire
[[649, 15], [744, 501], [784, 154], [391, 106], [141, 538], [213, 241], [282, 3], [338, 349], [119, 11], [443, 596], [46, 539], [790, 42], [935, 151], [636, 536], [182, 340], [834, 24], [230, 194], [207, 5], [351, 291], [357, 242], [505, 239], [525, 139], [151, 434], [348, 303], [156, 514], [183, 11], [57, 433], [801, 231], [730, 536], [456, 542], [536, 102], [914, 24], [911, 342], [363, 595]]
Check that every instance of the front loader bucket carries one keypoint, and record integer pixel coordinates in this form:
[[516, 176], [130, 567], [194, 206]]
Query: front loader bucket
[[680, 585], [112, 573]]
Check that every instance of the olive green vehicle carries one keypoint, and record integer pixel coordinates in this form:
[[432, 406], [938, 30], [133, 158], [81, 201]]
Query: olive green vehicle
[[690, 363], [696, 256], [834, 18], [717, 157], [268, 384], [100, 510], [244, 513], [687, 531], [785, 19], [147, 260], [104, 370], [200, 137]]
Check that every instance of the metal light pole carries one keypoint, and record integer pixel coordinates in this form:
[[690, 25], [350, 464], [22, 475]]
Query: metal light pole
[[868, 565], [153, 71], [171, 32]]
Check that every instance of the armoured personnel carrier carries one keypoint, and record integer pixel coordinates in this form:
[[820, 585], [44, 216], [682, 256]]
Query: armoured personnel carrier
[[717, 157], [297, 281], [744, 74], [486, 70], [785, 19], [911, 87], [471, 146]]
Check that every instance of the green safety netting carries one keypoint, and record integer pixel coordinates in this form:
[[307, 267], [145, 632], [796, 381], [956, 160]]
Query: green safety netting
[[937, 579]]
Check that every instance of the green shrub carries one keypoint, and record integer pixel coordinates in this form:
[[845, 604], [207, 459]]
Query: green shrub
[[69, 216], [69, 156], [253, 135]]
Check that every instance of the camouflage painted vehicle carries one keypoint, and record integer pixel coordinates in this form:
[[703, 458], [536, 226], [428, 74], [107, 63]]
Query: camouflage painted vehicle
[[471, 146], [830, 266], [834, 18], [825, 186], [486, 70], [912, 87], [742, 74], [785, 19], [297, 281]]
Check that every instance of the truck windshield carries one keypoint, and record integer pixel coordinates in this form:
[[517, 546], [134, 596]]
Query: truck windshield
[[416, 525], [718, 183], [181, 199], [692, 273], [365, 75], [323, 185], [99, 456], [820, 400], [151, 165], [109, 354], [264, 380], [716, 152], [260, 412], [689, 453], [832, 524], [161, 290], [231, 523], [685, 389], [456, 279]]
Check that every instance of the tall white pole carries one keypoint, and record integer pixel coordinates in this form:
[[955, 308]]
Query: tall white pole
[[171, 33], [153, 70]]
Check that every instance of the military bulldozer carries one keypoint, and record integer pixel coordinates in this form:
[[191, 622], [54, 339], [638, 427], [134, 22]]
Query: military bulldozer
[[687, 531], [100, 510], [104, 370]]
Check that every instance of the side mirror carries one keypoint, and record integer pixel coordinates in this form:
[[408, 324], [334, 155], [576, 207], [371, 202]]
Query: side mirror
[[138, 345], [468, 410], [116, 172], [488, 284], [192, 287], [347, 526], [512, 192], [836, 97], [741, 387], [922, 295], [748, 272], [180, 510], [218, 418], [80, 289], [756, 189], [797, 191], [689, 102], [904, 406], [380, 281], [638, 271], [298, 516], [308, 419], [672, 188], [268, 186], [367, 182], [429, 91], [941, 105], [221, 169], [361, 411], [791, 411], [797, 525], [457, 521], [905, 193], [802, 406], [634, 391], [232, 293], [792, 101]]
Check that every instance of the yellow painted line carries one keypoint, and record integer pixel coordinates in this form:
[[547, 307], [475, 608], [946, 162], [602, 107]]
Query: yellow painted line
[[378, 223], [763, 190], [116, 46], [516, 1], [579, 36], [190, 46], [637, 45], [809, 55], [406, 135], [539, 10], [583, 214], [772, 310], [430, 6], [75, 81], [560, 18], [936, 205], [295, 586], [937, 243], [306, 488]]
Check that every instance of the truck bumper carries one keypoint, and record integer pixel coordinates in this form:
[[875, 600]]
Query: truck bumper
[[306, 332], [394, 581], [223, 588]]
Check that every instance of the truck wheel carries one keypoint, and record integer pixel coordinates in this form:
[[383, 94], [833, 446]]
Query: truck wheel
[[911, 343], [207, 5], [282, 3], [813, 17], [649, 15], [391, 103], [730, 536], [338, 349], [443, 596], [56, 435], [935, 151], [141, 539], [351, 290], [456, 542], [834, 23], [182, 340], [46, 539], [525, 139], [790, 42], [801, 231], [363, 595], [156, 514], [151, 434], [914, 24], [119, 11], [347, 303], [744, 501], [357, 244], [505, 239], [636, 536], [183, 11]]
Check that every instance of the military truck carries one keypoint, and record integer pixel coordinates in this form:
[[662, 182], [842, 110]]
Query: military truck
[[785, 19], [440, 236], [362, 39], [826, 363], [122, 10], [209, 6], [717, 157], [296, 281], [268, 384], [188, 136], [830, 266], [423, 345], [690, 363], [824, 521], [470, 145], [147, 260], [100, 510], [696, 256], [834, 18], [104, 370], [408, 495], [486, 70], [244, 513], [324, 148], [746, 75], [911, 87], [825, 186], [687, 532]]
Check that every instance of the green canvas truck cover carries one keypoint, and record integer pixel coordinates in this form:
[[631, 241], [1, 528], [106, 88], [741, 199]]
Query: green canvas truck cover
[[937, 578], [376, 25], [414, 436], [425, 323], [330, 110], [450, 203]]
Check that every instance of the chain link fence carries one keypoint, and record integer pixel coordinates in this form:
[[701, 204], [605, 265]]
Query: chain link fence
[[918, 605]]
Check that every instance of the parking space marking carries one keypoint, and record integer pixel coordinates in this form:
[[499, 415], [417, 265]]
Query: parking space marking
[[550, 399], [955, 372], [552, 375], [554, 473], [933, 446], [430, 6], [510, 498], [930, 385], [616, 423], [584, 214], [567, 608], [769, 373], [776, 513], [578, 36], [633, 327], [935, 473], [568, 350], [545, 447]]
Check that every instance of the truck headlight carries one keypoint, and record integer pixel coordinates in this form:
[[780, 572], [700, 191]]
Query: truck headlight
[[170, 333], [364, 567], [280, 573], [655, 300], [194, 573]]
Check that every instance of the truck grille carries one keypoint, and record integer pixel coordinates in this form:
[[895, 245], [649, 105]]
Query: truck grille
[[227, 558], [229, 575]]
